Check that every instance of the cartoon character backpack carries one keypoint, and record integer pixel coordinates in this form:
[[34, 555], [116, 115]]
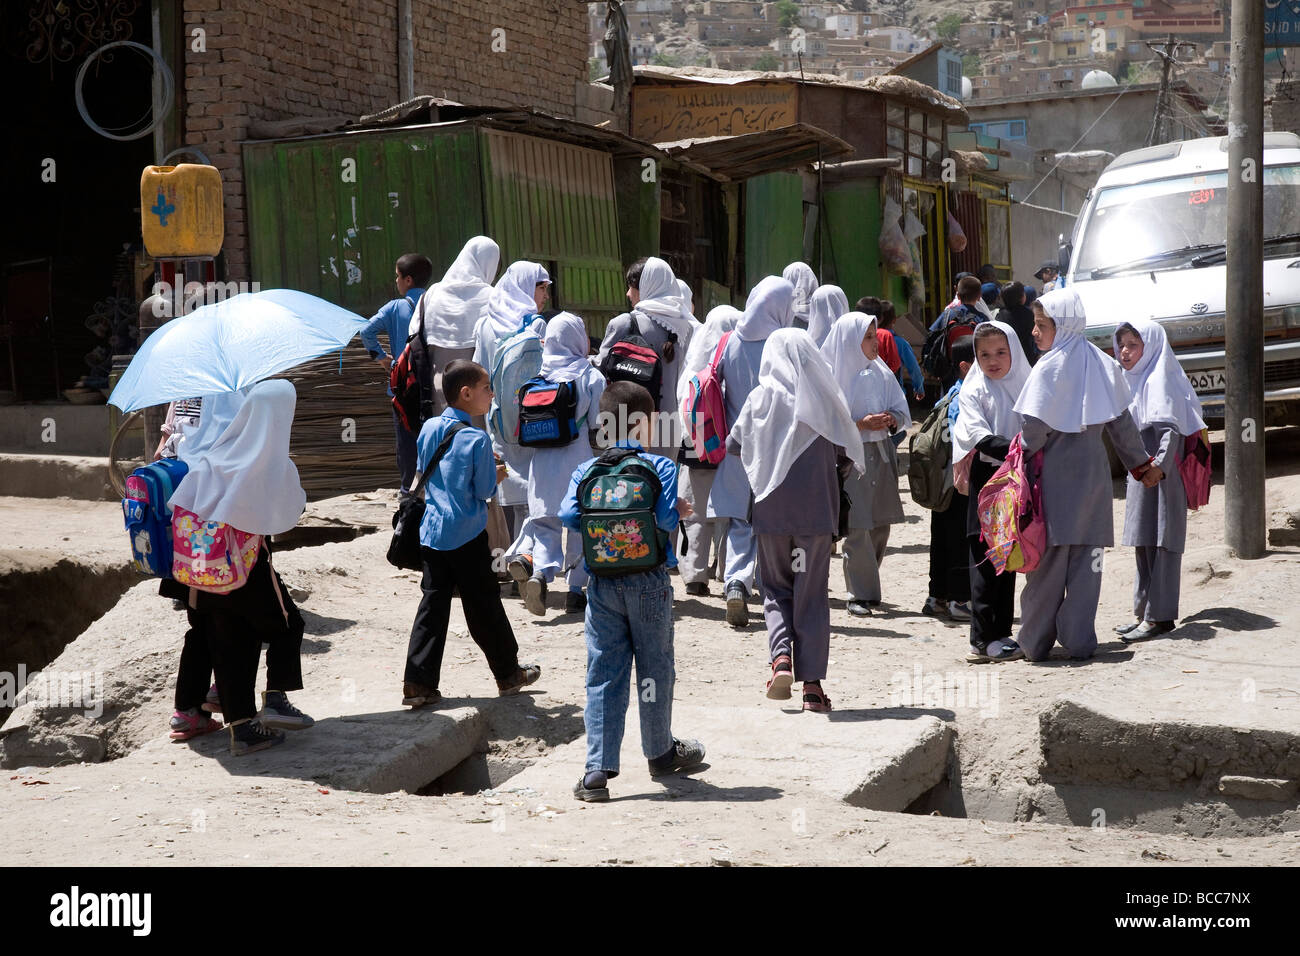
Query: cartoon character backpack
[[704, 412], [147, 516], [211, 555], [1011, 514], [616, 504]]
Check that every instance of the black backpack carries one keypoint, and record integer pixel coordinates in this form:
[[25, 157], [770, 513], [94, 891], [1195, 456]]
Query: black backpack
[[632, 359], [548, 413], [936, 354], [411, 379]]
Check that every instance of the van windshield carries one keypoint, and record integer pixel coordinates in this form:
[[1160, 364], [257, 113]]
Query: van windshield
[[1166, 222]]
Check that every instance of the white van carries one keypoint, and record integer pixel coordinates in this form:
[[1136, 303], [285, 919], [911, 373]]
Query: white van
[[1150, 242]]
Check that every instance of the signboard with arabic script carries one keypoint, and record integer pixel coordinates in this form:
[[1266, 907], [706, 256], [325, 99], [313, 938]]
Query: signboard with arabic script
[[664, 114], [1281, 23]]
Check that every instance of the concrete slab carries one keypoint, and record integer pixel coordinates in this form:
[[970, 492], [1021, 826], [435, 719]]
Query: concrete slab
[[55, 476], [866, 759]]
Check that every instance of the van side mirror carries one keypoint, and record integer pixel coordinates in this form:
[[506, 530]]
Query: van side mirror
[[1064, 250]]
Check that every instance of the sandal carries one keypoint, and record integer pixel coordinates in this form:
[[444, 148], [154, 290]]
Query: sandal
[[778, 688], [815, 699]]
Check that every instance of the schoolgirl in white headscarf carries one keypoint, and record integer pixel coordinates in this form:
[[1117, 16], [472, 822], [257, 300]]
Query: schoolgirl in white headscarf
[[787, 435], [828, 303], [870, 389], [1074, 394], [564, 359], [1167, 412], [695, 480], [804, 280], [988, 406], [452, 307]]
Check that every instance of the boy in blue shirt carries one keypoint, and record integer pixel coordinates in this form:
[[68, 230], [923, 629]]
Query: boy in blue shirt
[[411, 274], [454, 544], [630, 617]]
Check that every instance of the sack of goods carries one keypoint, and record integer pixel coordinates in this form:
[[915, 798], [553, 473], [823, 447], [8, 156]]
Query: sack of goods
[[148, 517], [616, 501], [548, 414], [633, 359]]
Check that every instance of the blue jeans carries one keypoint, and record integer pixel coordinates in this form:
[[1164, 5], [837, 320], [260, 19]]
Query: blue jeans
[[629, 618]]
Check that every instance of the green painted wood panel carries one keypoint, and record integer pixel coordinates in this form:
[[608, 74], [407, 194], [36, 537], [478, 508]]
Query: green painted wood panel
[[850, 238], [773, 217]]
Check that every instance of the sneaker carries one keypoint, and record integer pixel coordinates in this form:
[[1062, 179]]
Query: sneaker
[[417, 695], [1146, 631], [535, 595], [575, 602], [959, 610], [859, 609], [212, 703], [996, 652], [524, 676], [279, 714], [737, 606], [778, 688], [192, 723], [249, 736], [520, 567], [592, 787], [698, 589], [684, 755], [935, 608]]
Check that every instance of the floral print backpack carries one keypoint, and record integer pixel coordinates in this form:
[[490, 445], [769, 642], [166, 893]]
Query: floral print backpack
[[211, 555]]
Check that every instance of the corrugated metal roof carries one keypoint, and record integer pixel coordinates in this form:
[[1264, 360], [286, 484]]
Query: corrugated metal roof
[[730, 158]]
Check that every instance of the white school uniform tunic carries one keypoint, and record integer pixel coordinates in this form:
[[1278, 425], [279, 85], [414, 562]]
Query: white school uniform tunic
[[551, 468]]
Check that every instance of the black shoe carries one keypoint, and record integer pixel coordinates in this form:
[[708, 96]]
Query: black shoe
[[684, 755], [250, 736], [535, 595], [737, 606], [598, 792], [575, 602], [278, 714], [525, 675], [859, 609], [995, 652], [520, 567], [1146, 631], [1125, 628], [698, 589], [418, 695]]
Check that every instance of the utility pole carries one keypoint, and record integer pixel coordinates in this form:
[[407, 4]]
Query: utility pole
[[1168, 54], [1243, 483]]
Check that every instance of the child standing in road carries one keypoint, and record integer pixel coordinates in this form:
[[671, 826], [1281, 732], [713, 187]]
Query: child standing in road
[[610, 501]]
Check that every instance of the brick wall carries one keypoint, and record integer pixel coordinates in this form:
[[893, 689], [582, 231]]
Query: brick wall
[[275, 59]]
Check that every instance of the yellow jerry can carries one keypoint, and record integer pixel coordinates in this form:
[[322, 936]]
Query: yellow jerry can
[[181, 214]]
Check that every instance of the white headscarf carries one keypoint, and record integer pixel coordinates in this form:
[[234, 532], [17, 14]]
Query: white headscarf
[[767, 309], [828, 303], [512, 298], [720, 320], [869, 386], [795, 400], [564, 356], [452, 307], [988, 407], [661, 301], [1161, 391], [240, 470], [804, 280], [687, 297], [1074, 384]]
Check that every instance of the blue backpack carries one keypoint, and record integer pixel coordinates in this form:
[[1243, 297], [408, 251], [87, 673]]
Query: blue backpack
[[548, 414], [148, 518]]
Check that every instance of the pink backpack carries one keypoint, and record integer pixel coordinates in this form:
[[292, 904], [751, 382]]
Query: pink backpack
[[1195, 469], [705, 412], [1010, 509], [211, 555]]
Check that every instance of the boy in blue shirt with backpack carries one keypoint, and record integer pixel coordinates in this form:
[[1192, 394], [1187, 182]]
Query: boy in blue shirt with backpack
[[624, 505]]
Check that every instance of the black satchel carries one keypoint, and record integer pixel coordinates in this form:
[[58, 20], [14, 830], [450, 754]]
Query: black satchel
[[404, 549]]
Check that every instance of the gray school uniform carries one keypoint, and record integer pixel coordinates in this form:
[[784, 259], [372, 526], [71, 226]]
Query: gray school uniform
[[738, 371], [874, 507], [656, 337], [1155, 524], [793, 527], [1059, 601]]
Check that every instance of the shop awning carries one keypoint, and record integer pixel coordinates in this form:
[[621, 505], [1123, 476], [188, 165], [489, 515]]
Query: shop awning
[[735, 158]]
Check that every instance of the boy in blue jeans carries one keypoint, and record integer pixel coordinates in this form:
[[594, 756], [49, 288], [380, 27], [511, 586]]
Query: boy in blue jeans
[[629, 613]]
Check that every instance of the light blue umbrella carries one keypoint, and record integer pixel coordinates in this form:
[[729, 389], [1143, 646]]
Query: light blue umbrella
[[232, 344]]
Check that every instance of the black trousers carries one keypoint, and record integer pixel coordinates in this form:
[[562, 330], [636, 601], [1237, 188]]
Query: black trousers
[[226, 635], [992, 595], [949, 577], [468, 568]]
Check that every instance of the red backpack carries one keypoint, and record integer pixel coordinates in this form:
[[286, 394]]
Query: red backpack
[[411, 379], [704, 411]]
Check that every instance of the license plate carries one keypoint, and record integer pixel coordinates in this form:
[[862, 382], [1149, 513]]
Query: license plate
[[1211, 380]]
